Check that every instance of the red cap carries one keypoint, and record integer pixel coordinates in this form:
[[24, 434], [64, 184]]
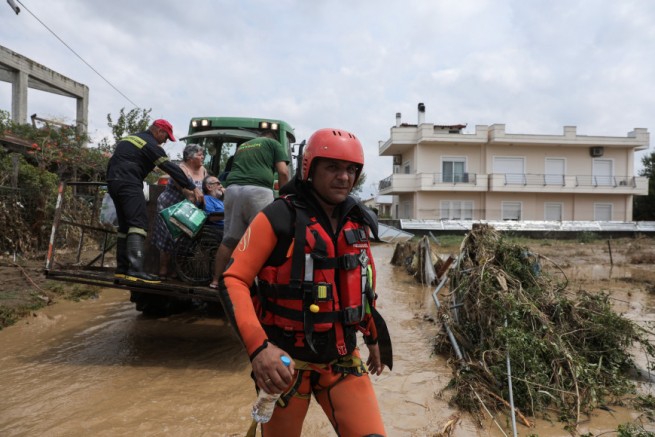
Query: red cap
[[163, 124]]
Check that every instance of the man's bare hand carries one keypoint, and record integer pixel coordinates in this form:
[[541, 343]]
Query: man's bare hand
[[374, 362], [271, 374]]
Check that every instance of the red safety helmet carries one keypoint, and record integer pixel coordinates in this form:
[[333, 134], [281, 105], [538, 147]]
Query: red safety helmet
[[333, 144]]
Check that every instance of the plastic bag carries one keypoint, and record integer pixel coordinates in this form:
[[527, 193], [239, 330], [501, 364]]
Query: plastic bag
[[108, 212]]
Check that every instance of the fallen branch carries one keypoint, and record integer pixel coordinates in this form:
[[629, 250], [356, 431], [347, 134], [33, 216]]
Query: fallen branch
[[31, 281], [526, 422]]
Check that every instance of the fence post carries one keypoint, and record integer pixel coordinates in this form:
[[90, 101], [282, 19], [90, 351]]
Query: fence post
[[14, 173]]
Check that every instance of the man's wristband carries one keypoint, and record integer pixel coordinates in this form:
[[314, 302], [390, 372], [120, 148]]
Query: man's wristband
[[258, 350]]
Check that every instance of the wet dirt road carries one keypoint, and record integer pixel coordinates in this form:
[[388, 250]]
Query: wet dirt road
[[99, 368]]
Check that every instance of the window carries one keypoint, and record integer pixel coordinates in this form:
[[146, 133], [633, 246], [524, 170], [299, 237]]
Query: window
[[406, 167], [454, 170], [602, 172], [554, 174], [553, 211], [603, 212], [512, 168], [456, 210], [511, 210]]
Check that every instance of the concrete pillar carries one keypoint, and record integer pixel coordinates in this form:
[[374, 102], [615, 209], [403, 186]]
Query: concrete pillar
[[81, 119], [19, 97]]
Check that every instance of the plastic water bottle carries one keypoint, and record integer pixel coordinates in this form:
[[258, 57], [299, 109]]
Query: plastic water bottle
[[263, 408]]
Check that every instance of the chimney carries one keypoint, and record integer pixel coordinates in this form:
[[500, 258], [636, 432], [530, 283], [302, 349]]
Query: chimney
[[397, 119], [421, 113]]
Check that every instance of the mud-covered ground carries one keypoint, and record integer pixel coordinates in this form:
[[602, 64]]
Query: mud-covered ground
[[98, 367], [24, 289]]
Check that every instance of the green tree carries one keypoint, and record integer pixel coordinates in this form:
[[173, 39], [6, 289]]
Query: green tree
[[136, 120], [644, 206], [359, 186], [57, 148], [226, 152], [56, 151]]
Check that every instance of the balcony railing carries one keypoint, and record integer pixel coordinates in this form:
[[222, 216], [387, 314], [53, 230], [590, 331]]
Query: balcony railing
[[454, 178], [415, 182], [385, 183], [535, 180], [407, 183], [607, 181]]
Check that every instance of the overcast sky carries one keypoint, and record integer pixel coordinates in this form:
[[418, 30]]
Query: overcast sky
[[533, 65]]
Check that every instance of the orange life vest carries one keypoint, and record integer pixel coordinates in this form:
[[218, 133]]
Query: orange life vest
[[323, 286]]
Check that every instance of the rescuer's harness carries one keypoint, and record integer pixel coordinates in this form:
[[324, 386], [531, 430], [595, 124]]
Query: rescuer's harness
[[330, 284]]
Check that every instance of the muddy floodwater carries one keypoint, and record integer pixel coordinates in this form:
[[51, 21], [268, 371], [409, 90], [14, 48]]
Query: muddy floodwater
[[99, 368]]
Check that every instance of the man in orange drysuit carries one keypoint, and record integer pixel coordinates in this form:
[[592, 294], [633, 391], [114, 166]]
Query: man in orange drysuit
[[310, 253]]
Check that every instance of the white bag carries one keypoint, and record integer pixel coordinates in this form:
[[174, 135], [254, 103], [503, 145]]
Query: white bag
[[108, 212]]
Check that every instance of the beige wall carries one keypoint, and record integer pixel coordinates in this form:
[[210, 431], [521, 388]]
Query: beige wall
[[578, 161], [430, 203], [574, 206], [488, 206], [430, 157]]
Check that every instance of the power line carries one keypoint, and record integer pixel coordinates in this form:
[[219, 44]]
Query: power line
[[75, 53]]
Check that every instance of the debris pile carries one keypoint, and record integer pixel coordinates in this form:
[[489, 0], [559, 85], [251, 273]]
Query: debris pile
[[420, 261], [562, 353]]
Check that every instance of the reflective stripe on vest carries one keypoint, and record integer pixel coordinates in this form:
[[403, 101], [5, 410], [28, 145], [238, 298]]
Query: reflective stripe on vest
[[138, 142]]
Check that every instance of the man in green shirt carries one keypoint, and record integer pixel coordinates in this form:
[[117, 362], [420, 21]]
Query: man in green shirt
[[249, 190]]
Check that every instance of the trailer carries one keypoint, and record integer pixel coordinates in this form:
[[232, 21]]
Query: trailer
[[82, 250]]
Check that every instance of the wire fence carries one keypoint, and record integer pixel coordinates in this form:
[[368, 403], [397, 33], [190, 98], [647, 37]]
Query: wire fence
[[26, 216]]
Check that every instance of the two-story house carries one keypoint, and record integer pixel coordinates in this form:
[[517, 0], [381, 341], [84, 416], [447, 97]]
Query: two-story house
[[442, 173]]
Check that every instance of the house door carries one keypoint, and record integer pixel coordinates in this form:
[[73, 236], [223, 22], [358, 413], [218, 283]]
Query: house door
[[554, 174], [512, 168], [602, 172]]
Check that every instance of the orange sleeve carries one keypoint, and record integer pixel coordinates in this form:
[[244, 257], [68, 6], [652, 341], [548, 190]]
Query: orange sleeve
[[249, 257]]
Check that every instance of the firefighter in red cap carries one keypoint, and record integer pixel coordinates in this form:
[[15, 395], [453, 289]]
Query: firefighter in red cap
[[314, 291], [134, 157]]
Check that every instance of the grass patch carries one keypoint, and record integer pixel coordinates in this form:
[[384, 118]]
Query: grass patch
[[14, 305], [19, 302]]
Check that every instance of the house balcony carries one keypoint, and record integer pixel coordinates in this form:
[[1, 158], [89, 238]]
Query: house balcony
[[399, 183], [581, 184]]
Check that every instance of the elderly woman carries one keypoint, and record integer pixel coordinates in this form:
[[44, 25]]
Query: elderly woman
[[193, 158]]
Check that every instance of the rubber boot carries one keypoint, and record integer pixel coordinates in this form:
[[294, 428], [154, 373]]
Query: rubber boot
[[122, 261], [136, 254]]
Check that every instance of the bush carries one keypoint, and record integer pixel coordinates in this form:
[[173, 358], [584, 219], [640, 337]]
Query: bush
[[27, 209]]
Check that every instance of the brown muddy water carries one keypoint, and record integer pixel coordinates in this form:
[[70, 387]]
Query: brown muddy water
[[99, 368]]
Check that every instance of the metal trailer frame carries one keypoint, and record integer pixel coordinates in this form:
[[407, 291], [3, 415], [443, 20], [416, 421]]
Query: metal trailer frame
[[94, 272]]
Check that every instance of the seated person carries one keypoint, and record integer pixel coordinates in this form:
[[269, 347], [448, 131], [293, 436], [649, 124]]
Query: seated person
[[214, 191]]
